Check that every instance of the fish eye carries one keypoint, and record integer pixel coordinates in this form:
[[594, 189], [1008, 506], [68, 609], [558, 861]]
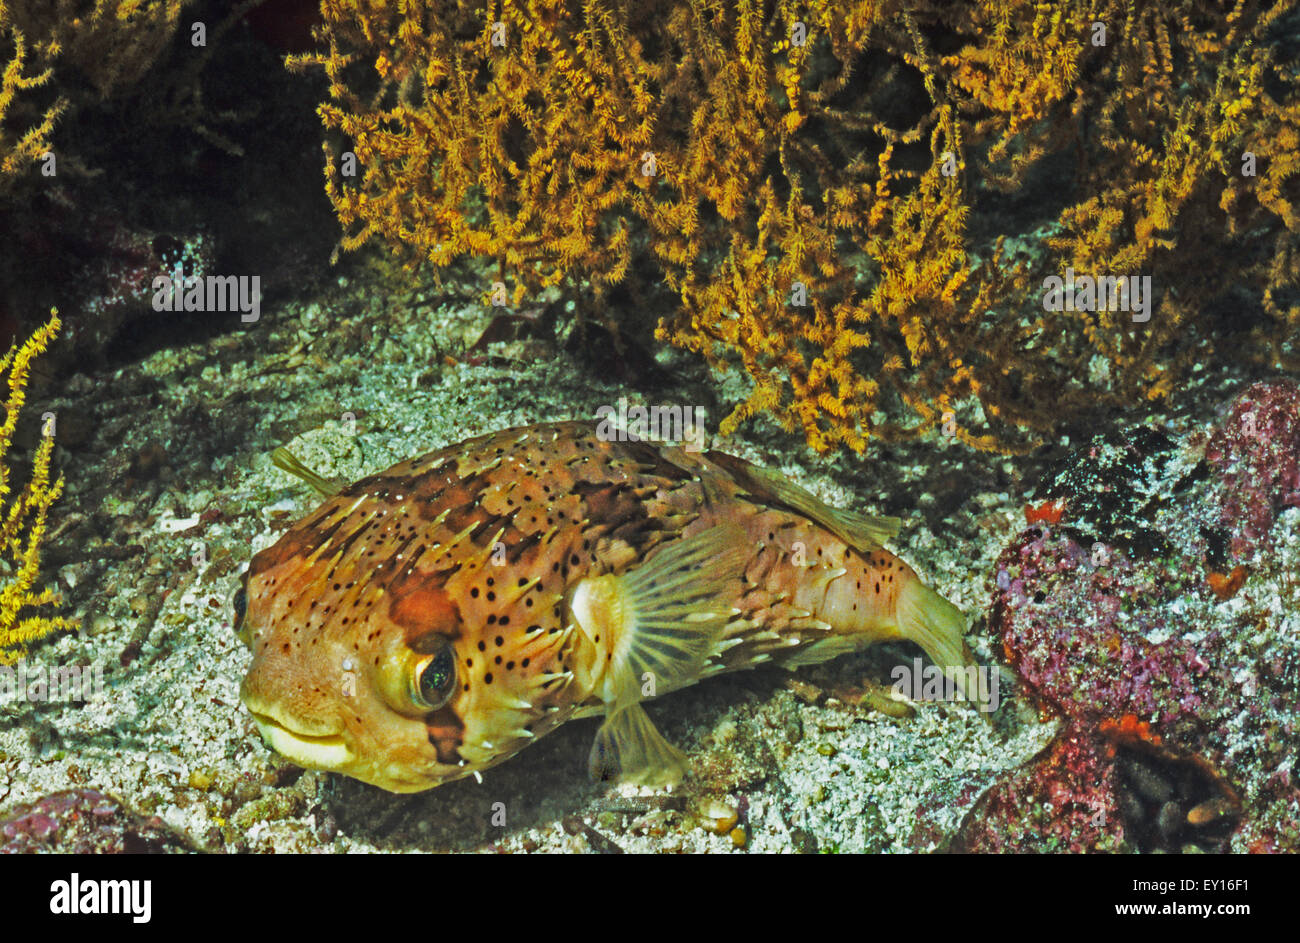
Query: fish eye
[[239, 603], [435, 677]]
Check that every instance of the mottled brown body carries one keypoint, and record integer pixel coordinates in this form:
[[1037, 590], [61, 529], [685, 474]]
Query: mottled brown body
[[483, 545]]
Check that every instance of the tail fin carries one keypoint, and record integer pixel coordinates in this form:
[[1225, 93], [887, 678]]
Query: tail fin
[[929, 620]]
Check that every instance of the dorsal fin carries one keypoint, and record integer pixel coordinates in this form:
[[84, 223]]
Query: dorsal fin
[[860, 531]]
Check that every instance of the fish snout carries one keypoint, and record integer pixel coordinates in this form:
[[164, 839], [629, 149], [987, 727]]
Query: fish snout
[[296, 716], [309, 742]]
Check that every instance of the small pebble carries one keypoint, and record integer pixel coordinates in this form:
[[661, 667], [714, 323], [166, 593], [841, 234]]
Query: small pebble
[[882, 701], [1170, 819], [717, 816], [1148, 782], [1209, 811], [808, 693], [101, 625]]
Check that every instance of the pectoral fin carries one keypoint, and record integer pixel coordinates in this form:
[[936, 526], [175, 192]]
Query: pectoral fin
[[676, 607], [629, 748], [660, 621]]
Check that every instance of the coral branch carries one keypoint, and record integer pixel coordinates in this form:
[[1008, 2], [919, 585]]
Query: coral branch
[[23, 516], [804, 175]]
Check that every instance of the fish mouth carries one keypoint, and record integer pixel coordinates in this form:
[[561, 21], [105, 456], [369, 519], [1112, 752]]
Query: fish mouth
[[326, 751]]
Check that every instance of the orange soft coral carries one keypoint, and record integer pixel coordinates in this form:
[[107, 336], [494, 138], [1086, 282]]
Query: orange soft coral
[[805, 175]]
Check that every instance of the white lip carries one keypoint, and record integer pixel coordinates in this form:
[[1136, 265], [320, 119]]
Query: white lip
[[326, 753]]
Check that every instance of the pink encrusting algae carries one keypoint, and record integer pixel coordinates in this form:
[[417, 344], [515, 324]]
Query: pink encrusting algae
[[1175, 672]]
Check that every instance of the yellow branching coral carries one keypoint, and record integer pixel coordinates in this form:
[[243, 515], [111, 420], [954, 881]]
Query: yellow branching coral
[[807, 176], [20, 146], [23, 516], [111, 43]]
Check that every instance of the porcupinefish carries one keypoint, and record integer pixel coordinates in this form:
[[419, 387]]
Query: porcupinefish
[[430, 621]]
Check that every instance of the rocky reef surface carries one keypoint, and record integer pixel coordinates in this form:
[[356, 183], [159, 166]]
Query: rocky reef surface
[[1157, 612], [1136, 591]]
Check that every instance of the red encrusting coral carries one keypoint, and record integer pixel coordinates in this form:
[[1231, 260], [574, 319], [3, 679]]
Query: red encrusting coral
[[1049, 512], [1128, 727], [85, 821], [1225, 585], [1108, 622], [1256, 452], [1066, 803]]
